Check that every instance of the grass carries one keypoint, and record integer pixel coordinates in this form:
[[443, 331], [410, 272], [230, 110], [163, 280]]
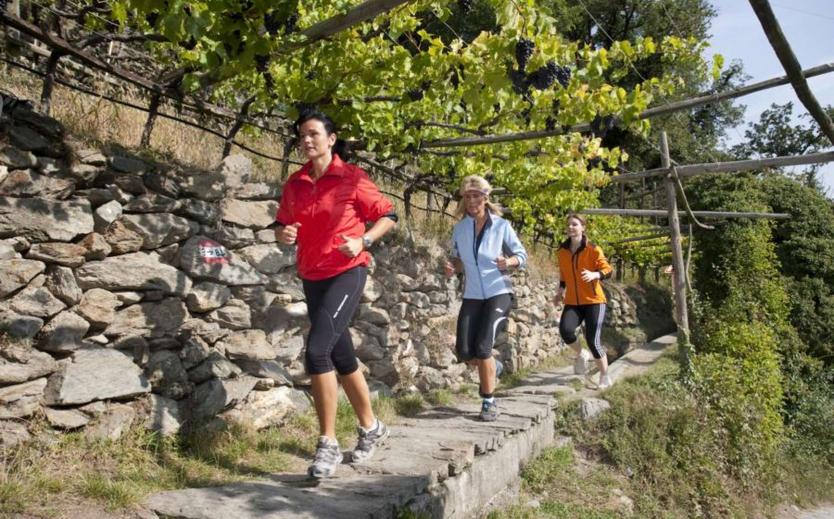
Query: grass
[[52, 471], [656, 447]]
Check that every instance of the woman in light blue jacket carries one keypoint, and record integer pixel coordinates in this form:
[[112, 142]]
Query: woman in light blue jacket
[[484, 248]]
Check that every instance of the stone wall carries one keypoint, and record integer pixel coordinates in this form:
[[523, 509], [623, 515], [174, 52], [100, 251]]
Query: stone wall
[[134, 290]]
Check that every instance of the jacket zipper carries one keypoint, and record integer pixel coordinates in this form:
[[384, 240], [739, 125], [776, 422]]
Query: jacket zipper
[[475, 252]]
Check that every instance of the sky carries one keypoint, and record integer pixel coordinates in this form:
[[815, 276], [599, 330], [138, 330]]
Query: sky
[[809, 27]]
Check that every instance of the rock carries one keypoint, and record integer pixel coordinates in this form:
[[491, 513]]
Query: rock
[[45, 220], [21, 363], [167, 376], [235, 170], [163, 415], [429, 378], [233, 237], [128, 165], [194, 351], [373, 291], [7, 251], [266, 236], [28, 139], [91, 156], [17, 273], [38, 302], [407, 283], [589, 408], [96, 246], [42, 123], [98, 306], [121, 239], [255, 191], [20, 326], [63, 333], [106, 214], [247, 344], [66, 254], [135, 271], [266, 369], [61, 282], [257, 297], [111, 424], [27, 183], [84, 173], [66, 419], [21, 400], [165, 183], [212, 397], [13, 434], [262, 409], [128, 298], [367, 346], [95, 374], [215, 366], [255, 215], [14, 158], [204, 212], [268, 259], [235, 315], [373, 315], [236, 272], [207, 296], [150, 319], [151, 203], [204, 185], [290, 349], [158, 229], [50, 167]]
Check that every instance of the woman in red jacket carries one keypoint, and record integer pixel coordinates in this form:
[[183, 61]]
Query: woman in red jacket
[[582, 267], [324, 208]]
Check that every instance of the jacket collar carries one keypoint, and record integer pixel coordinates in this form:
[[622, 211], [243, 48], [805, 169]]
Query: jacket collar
[[566, 244], [336, 168]]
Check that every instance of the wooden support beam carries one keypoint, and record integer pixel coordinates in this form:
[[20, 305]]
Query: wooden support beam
[[679, 273], [362, 12], [645, 237], [736, 166], [786, 56], [703, 214], [648, 114]]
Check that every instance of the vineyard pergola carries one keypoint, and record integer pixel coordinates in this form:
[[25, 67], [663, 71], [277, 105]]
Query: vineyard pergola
[[82, 36]]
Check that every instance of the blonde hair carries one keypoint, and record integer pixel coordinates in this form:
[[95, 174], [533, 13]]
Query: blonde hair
[[476, 183]]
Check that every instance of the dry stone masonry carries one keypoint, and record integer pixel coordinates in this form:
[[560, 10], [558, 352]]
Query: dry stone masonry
[[138, 292]]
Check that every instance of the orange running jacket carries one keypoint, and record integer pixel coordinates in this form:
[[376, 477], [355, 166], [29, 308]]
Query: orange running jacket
[[587, 257]]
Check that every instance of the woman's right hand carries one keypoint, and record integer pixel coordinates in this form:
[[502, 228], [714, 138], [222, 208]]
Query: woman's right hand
[[449, 269], [288, 233]]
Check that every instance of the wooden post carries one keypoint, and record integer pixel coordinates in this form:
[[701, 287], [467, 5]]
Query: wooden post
[[239, 121], [620, 260], [153, 110], [679, 273], [49, 80]]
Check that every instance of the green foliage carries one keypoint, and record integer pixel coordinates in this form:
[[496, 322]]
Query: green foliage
[[409, 77]]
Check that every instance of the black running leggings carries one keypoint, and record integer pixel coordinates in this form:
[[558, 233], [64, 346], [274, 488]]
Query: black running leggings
[[331, 303], [479, 322], [593, 316]]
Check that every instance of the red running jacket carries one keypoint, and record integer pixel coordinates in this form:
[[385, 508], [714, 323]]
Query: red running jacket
[[340, 202]]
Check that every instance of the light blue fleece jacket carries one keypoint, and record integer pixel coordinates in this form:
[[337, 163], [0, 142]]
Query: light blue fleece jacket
[[483, 279]]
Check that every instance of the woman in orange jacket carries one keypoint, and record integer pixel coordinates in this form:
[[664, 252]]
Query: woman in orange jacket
[[582, 267]]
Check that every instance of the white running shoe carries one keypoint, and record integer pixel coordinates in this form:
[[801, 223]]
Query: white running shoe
[[580, 364], [604, 381]]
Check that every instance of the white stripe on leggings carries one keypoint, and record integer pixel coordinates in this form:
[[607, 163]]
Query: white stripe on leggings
[[598, 334]]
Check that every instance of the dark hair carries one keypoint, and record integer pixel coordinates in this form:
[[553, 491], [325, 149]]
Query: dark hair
[[341, 147]]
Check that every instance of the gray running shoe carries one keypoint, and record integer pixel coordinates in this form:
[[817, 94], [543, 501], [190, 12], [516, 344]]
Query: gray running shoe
[[328, 457], [580, 364], [368, 442], [499, 369], [489, 411]]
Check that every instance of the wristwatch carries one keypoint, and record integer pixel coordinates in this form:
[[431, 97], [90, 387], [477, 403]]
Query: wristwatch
[[367, 242]]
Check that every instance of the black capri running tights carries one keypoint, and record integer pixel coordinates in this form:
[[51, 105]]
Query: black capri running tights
[[479, 322], [331, 303], [593, 316]]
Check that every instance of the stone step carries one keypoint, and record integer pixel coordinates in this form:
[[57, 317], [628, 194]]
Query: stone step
[[444, 462]]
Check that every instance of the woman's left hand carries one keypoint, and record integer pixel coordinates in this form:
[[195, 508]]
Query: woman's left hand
[[351, 247], [505, 263], [589, 275]]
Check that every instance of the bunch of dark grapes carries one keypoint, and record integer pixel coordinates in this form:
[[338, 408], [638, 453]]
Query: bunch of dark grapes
[[465, 5], [600, 126], [523, 50], [272, 23], [521, 85], [415, 94], [151, 18], [261, 62], [290, 24], [548, 74]]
